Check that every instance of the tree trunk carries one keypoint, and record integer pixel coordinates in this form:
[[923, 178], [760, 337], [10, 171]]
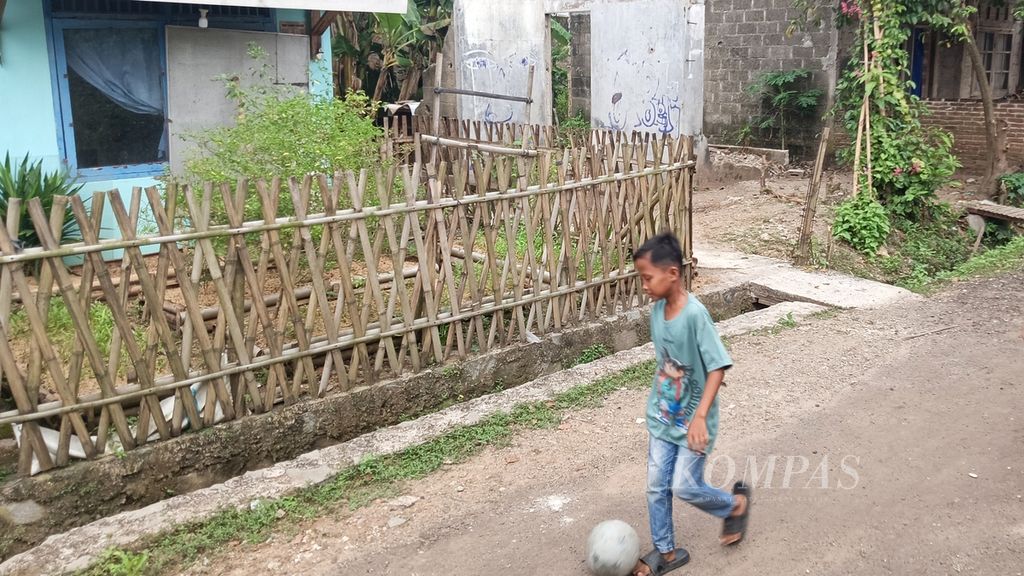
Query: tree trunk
[[996, 154], [411, 83], [385, 71]]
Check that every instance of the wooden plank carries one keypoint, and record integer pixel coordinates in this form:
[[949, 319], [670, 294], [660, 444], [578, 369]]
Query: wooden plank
[[997, 211]]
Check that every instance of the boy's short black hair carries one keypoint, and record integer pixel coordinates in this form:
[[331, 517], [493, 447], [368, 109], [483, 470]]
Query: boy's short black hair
[[663, 250]]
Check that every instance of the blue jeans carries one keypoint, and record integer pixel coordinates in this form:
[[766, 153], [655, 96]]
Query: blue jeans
[[674, 469]]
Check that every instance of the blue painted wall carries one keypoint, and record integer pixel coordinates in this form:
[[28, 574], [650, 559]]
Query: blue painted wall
[[27, 122]]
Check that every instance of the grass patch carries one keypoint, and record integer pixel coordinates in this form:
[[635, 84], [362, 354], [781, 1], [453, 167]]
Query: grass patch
[[591, 354], [7, 472], [918, 256], [355, 487], [1005, 258]]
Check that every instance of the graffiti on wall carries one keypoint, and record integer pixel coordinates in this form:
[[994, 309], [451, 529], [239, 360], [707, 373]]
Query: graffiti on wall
[[650, 104]]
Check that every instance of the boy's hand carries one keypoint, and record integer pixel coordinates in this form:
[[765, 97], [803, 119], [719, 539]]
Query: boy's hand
[[697, 436]]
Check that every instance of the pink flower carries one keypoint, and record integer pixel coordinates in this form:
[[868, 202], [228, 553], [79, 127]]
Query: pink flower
[[897, 171], [916, 167], [850, 8]]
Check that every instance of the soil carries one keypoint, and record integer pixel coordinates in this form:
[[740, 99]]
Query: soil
[[895, 434]]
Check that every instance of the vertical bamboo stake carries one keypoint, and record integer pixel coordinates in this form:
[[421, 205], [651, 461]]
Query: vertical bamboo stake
[[80, 321], [188, 292], [529, 105], [153, 302], [6, 289], [150, 404], [31, 439], [43, 295]]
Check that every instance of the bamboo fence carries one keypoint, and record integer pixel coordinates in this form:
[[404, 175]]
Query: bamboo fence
[[365, 277]]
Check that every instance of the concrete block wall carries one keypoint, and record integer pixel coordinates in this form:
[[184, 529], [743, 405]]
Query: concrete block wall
[[746, 38], [579, 75], [965, 120]]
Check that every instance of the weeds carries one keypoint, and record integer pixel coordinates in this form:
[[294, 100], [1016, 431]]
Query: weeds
[[1005, 258], [120, 563], [787, 322], [591, 354], [6, 472]]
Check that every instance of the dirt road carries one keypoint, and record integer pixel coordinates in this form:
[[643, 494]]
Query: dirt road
[[895, 438]]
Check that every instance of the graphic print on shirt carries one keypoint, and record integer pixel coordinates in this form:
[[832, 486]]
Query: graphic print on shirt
[[677, 400]]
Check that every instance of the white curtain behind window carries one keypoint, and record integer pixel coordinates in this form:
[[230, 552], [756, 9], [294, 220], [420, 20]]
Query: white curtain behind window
[[122, 63]]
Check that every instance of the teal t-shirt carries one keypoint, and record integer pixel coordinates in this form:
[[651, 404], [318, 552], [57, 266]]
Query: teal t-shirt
[[687, 348]]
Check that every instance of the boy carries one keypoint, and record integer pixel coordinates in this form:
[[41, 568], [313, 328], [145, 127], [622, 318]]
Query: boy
[[682, 412]]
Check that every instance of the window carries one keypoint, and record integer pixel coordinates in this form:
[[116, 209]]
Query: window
[[996, 52], [112, 96]]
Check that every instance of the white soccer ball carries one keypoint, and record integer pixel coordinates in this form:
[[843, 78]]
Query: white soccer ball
[[613, 549]]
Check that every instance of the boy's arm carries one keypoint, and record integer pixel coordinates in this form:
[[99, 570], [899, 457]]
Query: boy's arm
[[697, 437]]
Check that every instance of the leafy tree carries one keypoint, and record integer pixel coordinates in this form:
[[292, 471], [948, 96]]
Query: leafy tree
[[390, 51], [785, 98]]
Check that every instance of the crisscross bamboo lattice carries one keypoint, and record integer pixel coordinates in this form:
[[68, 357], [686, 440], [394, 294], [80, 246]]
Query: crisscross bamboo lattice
[[301, 288]]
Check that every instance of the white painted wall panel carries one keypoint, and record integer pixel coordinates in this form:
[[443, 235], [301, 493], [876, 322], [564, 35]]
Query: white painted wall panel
[[497, 41], [647, 66]]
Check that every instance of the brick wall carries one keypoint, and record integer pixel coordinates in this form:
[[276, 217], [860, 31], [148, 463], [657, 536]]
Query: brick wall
[[965, 119], [745, 38]]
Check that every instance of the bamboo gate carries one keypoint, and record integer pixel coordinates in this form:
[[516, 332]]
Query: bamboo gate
[[306, 287]]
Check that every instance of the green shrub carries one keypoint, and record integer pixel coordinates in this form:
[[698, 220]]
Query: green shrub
[[863, 223], [284, 132], [1014, 185], [788, 104], [27, 180], [287, 137]]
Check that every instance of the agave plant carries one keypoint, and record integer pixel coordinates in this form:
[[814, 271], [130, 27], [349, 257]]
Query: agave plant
[[27, 180]]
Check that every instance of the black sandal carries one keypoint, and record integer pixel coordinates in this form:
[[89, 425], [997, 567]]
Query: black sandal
[[738, 524], [658, 565]]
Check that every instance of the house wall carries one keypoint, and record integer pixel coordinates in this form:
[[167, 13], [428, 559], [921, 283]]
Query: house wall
[[644, 70], [321, 79], [944, 77], [27, 124], [746, 38], [965, 120]]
